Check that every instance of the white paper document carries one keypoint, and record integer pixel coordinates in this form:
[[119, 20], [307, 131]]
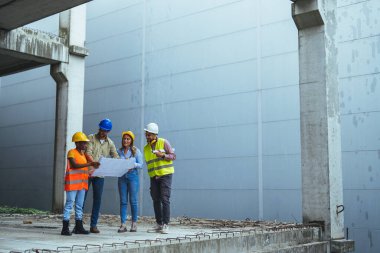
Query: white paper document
[[110, 167]]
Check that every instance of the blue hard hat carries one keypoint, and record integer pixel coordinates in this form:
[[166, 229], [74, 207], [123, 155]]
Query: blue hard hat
[[105, 124]]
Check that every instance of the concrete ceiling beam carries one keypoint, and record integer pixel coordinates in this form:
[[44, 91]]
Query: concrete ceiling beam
[[30, 48]]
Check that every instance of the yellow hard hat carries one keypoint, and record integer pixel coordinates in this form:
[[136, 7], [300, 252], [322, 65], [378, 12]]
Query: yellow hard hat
[[79, 136], [130, 133]]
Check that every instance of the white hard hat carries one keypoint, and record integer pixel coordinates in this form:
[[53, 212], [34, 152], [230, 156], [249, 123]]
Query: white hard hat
[[151, 128]]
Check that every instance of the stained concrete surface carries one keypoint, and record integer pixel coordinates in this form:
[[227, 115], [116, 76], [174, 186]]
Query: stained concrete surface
[[41, 233]]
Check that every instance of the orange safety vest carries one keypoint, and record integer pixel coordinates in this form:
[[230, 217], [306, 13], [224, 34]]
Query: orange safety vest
[[76, 179]]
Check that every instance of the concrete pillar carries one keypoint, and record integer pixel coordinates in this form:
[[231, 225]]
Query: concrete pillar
[[69, 98], [322, 189]]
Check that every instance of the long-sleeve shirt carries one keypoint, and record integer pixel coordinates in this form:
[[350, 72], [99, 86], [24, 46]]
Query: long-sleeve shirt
[[96, 149], [169, 151], [138, 156]]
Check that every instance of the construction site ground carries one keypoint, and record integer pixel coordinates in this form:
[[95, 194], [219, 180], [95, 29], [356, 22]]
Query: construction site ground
[[41, 233]]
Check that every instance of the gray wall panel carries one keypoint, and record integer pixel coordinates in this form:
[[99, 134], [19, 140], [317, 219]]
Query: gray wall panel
[[362, 208], [275, 38], [282, 172], [28, 134], [209, 112], [31, 112], [100, 8], [203, 83], [38, 73], [164, 10], [202, 25], [361, 170], [360, 57], [126, 70], [127, 45], [120, 97], [114, 23], [234, 47], [358, 20], [279, 70], [19, 93], [281, 137], [360, 94], [283, 205], [27, 156], [215, 204], [286, 106], [359, 131], [213, 174]]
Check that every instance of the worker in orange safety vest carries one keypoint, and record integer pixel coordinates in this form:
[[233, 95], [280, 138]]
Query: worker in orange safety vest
[[76, 183]]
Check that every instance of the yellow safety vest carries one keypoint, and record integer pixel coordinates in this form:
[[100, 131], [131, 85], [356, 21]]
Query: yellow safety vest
[[157, 166]]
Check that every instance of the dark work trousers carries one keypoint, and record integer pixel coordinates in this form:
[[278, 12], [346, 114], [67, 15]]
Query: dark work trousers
[[160, 190]]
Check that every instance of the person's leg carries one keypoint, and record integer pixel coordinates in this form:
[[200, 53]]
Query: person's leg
[[133, 191], [70, 197], [122, 185], [166, 188], [97, 189], [79, 229], [79, 199], [155, 194]]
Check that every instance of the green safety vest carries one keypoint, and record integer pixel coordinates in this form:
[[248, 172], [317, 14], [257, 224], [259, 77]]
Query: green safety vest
[[157, 166]]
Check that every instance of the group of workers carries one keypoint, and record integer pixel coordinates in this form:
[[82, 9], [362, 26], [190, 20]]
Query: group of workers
[[84, 159]]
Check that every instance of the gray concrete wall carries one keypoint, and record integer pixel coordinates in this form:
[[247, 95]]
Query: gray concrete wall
[[221, 79], [359, 37]]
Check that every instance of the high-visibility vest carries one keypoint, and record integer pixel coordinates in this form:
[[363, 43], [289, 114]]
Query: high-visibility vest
[[76, 179], [157, 166]]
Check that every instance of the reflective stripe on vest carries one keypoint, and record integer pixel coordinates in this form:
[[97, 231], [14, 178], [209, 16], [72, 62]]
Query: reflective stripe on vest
[[76, 179], [157, 166]]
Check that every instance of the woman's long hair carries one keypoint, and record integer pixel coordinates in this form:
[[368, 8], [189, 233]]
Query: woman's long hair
[[132, 147]]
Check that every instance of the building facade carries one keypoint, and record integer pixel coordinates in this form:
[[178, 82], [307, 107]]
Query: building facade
[[220, 77]]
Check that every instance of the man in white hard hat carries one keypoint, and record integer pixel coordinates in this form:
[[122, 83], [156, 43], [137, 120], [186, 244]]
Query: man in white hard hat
[[159, 157]]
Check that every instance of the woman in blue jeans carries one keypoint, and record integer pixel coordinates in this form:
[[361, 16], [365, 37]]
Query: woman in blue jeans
[[129, 182]]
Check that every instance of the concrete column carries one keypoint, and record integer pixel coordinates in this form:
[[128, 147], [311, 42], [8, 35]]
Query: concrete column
[[322, 189], [70, 91]]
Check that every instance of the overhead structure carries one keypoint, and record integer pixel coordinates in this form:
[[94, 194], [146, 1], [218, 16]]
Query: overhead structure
[[322, 187], [23, 48]]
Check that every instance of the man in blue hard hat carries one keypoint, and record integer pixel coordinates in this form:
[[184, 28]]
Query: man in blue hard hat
[[100, 145]]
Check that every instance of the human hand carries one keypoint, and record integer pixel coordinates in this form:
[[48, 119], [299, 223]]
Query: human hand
[[95, 164], [160, 154], [90, 171]]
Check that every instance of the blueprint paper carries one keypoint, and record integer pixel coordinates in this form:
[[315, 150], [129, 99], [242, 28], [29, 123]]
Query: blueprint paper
[[111, 167]]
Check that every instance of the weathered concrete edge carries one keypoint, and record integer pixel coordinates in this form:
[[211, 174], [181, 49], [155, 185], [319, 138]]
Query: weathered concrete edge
[[33, 45], [260, 241]]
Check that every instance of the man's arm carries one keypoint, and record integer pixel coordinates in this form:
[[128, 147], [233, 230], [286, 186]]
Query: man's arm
[[113, 150], [169, 152]]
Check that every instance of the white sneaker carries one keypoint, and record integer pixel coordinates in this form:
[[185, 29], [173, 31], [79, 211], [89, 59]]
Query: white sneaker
[[155, 228], [165, 229]]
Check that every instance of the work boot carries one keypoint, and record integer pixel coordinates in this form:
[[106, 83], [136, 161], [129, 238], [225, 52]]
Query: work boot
[[94, 230], [79, 229], [65, 228]]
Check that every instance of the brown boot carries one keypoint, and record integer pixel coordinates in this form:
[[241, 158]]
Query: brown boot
[[94, 230]]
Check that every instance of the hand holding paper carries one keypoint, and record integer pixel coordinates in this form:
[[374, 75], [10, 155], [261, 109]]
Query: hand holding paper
[[110, 167]]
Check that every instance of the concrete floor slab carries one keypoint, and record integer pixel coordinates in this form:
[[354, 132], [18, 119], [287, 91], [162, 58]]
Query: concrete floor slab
[[41, 233]]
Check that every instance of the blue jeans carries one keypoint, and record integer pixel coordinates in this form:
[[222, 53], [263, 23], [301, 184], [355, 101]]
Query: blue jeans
[[78, 198], [97, 191], [129, 187]]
